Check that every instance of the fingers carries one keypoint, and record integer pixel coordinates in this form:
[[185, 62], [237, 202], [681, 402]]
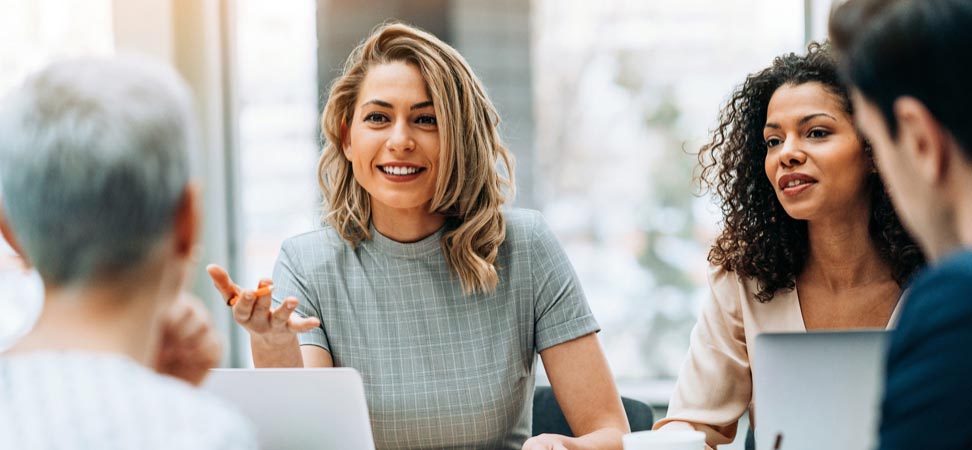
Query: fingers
[[265, 287], [285, 316], [280, 315], [193, 323], [190, 345], [264, 302], [222, 282], [544, 442], [298, 324], [243, 309], [254, 310]]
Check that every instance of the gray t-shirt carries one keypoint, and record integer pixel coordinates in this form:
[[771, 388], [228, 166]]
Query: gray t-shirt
[[79, 400], [441, 369]]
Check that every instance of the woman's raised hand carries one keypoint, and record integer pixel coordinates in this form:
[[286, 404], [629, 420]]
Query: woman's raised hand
[[255, 312]]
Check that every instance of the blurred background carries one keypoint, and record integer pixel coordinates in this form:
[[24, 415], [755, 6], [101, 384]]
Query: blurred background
[[603, 103]]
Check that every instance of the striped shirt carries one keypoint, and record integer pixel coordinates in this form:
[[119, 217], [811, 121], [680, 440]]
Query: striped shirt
[[74, 400]]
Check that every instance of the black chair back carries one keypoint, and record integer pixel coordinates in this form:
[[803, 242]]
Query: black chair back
[[548, 418]]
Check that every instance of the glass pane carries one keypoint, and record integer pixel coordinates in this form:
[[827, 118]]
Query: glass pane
[[278, 128], [277, 73], [625, 90]]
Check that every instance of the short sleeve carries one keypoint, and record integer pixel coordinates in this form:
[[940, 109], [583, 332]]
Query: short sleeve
[[289, 281], [715, 385], [561, 312], [927, 400]]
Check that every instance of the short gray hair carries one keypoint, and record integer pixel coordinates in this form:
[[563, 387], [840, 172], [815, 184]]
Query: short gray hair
[[94, 162]]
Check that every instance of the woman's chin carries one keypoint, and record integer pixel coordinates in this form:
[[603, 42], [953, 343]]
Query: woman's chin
[[401, 202]]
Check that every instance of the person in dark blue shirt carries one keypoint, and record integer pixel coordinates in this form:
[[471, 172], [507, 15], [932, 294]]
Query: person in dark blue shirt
[[909, 63], [928, 401]]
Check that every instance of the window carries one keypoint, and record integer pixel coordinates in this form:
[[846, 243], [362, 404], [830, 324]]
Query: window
[[625, 91], [278, 145]]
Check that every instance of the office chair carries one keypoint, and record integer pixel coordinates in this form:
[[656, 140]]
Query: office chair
[[548, 418]]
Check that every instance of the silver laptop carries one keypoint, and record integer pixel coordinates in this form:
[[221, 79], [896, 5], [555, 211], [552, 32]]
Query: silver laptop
[[299, 408], [818, 390]]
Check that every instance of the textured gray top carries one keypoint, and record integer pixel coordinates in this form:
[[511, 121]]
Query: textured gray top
[[77, 400], [441, 369]]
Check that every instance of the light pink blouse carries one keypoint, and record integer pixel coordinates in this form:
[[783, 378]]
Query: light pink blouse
[[715, 385]]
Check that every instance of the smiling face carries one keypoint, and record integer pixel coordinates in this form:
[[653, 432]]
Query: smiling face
[[815, 159], [393, 139]]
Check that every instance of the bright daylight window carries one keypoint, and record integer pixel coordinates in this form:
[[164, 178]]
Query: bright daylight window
[[277, 92], [625, 91]]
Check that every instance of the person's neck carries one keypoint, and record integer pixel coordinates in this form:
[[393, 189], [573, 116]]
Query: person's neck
[[842, 254], [107, 317], [952, 227], [405, 225], [963, 222]]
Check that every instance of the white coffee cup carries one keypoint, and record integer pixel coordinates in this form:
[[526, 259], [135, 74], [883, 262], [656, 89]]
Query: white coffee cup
[[664, 440]]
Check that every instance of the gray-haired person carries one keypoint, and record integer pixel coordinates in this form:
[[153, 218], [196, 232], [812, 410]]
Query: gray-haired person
[[95, 175]]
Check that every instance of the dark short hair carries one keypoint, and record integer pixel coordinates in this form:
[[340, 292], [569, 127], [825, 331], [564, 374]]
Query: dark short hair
[[916, 48]]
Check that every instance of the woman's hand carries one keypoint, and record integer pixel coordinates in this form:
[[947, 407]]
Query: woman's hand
[[189, 346], [545, 442], [255, 313]]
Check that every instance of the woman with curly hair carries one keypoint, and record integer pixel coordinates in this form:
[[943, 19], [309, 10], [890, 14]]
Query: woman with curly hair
[[810, 239], [440, 299]]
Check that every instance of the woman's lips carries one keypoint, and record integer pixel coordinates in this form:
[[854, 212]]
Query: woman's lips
[[798, 189], [795, 183], [401, 173]]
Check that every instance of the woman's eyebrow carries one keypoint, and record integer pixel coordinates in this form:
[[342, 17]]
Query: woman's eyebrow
[[381, 103], [802, 121]]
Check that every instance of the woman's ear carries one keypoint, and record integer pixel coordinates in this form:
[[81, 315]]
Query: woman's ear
[[922, 138], [6, 229], [187, 221]]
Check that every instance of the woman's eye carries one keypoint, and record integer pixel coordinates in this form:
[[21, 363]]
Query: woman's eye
[[773, 142], [375, 118], [818, 133], [426, 120]]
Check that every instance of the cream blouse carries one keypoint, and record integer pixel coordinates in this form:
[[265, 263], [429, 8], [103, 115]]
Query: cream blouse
[[715, 385]]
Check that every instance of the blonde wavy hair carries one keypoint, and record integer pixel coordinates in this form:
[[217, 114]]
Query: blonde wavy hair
[[469, 187]]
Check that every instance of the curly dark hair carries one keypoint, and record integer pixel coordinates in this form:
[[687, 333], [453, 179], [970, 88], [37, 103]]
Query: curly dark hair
[[759, 239]]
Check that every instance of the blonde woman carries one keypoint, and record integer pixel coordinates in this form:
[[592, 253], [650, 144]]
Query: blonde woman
[[418, 280]]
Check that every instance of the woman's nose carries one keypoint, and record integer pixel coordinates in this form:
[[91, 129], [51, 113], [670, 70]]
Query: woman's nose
[[400, 138], [792, 154]]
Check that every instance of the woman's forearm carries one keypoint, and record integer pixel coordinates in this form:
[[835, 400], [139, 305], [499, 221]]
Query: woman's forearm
[[276, 354]]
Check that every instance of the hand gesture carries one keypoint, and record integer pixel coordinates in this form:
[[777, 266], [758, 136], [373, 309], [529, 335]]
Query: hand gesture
[[253, 309], [189, 345]]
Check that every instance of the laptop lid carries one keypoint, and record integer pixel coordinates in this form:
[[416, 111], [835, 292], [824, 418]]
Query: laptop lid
[[299, 408], [818, 389]]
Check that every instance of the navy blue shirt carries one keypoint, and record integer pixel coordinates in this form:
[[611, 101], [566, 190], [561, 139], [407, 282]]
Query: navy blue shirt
[[928, 396]]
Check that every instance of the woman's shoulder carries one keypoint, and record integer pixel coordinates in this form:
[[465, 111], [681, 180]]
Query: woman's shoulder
[[522, 218], [728, 286], [524, 225]]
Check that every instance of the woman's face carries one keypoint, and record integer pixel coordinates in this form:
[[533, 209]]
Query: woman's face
[[393, 140], [815, 159]]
